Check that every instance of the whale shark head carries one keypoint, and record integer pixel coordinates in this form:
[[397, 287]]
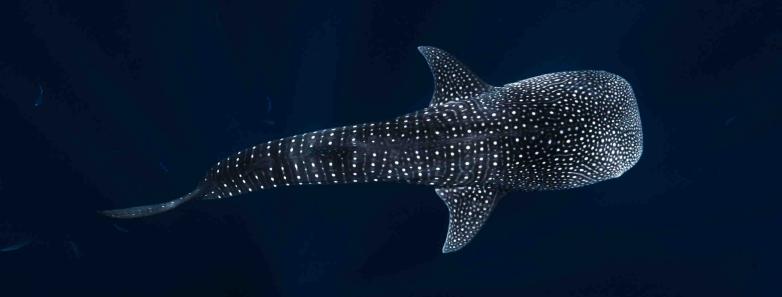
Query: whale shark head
[[612, 106], [587, 124], [619, 126], [623, 137]]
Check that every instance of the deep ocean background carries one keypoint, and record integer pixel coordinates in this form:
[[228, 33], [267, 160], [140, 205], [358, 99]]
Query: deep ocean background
[[109, 104]]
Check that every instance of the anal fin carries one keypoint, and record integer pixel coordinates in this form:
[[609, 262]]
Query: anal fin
[[468, 209]]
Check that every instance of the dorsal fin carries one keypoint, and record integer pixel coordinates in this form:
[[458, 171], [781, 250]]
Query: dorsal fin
[[468, 209], [452, 80]]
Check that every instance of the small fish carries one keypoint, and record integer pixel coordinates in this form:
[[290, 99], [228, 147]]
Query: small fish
[[730, 120], [73, 249], [269, 122], [39, 99], [16, 246], [12, 239], [119, 228]]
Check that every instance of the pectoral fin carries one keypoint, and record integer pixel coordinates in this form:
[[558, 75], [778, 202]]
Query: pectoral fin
[[468, 209]]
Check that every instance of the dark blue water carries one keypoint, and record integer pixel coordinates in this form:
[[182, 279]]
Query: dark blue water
[[118, 103]]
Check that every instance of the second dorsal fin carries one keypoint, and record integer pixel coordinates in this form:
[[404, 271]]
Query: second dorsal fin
[[452, 80]]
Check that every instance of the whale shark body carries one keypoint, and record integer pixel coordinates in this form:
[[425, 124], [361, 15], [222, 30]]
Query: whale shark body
[[474, 144]]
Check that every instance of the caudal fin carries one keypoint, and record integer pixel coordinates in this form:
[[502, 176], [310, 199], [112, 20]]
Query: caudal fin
[[152, 209]]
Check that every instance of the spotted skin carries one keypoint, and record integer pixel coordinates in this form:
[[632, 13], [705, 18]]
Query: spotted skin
[[474, 144], [469, 207]]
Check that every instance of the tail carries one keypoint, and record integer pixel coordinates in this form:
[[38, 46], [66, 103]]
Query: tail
[[148, 210]]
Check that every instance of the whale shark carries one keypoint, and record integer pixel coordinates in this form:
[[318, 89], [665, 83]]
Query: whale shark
[[473, 144]]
